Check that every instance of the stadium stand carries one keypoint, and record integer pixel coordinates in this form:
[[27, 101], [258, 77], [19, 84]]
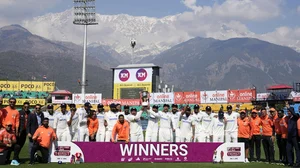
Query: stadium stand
[[24, 94]]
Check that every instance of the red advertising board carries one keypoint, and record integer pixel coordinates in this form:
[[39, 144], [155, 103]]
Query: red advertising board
[[129, 102], [187, 97], [296, 99], [241, 96]]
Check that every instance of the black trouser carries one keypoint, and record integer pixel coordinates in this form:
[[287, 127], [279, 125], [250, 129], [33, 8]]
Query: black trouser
[[92, 140], [20, 141], [7, 152], [256, 140], [268, 148], [14, 148], [292, 143], [283, 150], [279, 141], [44, 151]]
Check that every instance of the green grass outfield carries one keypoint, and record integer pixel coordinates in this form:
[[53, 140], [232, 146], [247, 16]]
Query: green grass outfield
[[24, 157]]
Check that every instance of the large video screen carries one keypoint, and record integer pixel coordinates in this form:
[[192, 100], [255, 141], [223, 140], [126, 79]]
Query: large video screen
[[131, 93]]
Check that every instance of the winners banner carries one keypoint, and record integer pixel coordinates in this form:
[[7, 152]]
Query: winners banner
[[95, 152]]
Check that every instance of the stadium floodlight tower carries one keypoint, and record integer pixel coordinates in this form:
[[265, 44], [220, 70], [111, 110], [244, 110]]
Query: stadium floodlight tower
[[84, 14]]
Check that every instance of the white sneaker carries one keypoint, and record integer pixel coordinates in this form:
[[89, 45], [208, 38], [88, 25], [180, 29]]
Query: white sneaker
[[246, 160], [14, 163]]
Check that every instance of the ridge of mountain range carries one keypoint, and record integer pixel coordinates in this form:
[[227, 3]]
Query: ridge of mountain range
[[153, 35], [197, 64]]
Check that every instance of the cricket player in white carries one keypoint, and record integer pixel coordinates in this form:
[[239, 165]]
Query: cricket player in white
[[165, 127], [136, 130], [206, 125], [197, 121], [83, 131], [61, 124], [100, 136], [175, 121], [152, 129], [74, 122], [126, 110], [111, 118], [218, 127], [231, 128], [187, 127], [50, 115]]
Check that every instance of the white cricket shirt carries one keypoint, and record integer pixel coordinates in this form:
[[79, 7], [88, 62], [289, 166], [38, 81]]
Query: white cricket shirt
[[231, 124]]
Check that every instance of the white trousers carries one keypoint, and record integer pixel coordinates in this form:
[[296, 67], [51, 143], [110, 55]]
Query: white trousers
[[218, 138], [100, 136], [63, 135], [186, 138], [203, 137], [137, 137], [108, 136], [151, 136], [83, 134], [74, 135], [231, 136], [165, 135], [176, 135]]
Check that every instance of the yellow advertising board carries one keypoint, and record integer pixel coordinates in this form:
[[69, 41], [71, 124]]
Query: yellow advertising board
[[22, 101], [33, 86], [130, 90]]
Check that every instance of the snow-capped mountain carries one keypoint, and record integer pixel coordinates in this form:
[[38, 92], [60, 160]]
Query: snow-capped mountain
[[153, 35], [115, 31]]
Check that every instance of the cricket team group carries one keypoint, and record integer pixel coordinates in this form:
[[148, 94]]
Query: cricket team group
[[253, 128]]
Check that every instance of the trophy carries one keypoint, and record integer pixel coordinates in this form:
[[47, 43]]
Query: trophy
[[77, 158], [144, 96]]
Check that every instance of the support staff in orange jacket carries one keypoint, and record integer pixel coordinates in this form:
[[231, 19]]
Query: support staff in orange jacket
[[276, 121], [256, 136], [121, 129], [284, 133], [93, 125], [267, 136], [11, 114], [244, 132]]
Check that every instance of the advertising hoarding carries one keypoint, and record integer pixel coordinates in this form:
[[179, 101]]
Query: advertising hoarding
[[22, 101], [33, 86], [241, 96], [187, 97], [210, 97], [93, 98], [162, 98], [129, 82]]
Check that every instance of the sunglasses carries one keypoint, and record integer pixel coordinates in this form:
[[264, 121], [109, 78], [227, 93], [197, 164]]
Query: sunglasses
[[12, 102], [272, 111]]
